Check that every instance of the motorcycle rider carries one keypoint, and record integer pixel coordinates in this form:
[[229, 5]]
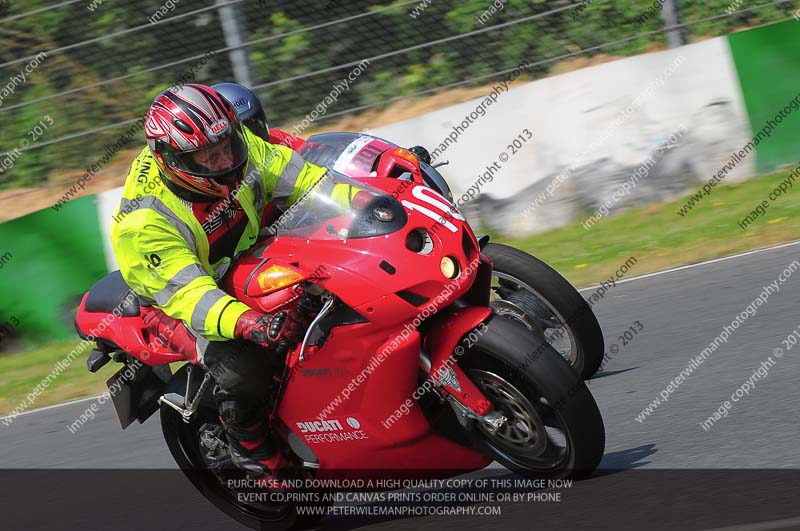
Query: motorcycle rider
[[192, 202]]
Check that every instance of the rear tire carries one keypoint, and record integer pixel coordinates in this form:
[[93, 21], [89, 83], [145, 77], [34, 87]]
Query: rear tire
[[530, 277], [544, 400], [185, 447]]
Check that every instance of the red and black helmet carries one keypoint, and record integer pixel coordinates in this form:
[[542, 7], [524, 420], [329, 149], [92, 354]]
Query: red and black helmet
[[196, 138]]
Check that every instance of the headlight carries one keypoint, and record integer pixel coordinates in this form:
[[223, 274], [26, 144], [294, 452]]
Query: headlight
[[449, 267]]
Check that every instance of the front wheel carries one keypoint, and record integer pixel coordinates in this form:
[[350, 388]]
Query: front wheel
[[553, 427], [527, 290]]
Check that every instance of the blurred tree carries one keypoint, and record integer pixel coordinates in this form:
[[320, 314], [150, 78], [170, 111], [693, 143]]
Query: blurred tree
[[299, 51]]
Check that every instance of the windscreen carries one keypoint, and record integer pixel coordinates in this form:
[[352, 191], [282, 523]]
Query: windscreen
[[339, 207]]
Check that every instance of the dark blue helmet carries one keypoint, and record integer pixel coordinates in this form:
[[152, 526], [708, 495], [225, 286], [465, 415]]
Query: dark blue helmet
[[247, 105]]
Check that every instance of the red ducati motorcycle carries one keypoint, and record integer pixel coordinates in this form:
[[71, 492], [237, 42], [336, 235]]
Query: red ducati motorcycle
[[404, 372], [523, 287]]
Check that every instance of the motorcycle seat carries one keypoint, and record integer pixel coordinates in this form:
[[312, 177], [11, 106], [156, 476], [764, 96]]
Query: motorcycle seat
[[109, 293]]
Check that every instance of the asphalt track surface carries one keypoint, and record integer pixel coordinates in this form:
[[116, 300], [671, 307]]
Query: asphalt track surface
[[664, 473]]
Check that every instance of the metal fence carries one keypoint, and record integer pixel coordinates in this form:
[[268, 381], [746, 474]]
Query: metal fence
[[75, 76]]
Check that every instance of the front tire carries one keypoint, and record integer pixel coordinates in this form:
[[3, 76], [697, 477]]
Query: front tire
[[554, 428], [531, 292]]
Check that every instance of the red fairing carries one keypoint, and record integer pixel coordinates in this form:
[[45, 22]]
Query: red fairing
[[352, 398], [129, 333], [369, 439], [453, 325], [361, 376], [357, 158]]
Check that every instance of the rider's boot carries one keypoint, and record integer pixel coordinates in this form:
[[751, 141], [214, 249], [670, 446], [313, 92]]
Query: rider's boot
[[251, 447]]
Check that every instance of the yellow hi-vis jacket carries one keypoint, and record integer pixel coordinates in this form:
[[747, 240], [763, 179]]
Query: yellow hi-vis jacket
[[163, 251]]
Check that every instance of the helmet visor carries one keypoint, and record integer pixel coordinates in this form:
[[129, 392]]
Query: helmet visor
[[258, 125], [215, 160]]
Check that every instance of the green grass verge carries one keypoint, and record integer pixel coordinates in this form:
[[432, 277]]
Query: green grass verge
[[659, 238], [20, 373], [655, 235]]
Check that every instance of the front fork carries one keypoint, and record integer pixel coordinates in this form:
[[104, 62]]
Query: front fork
[[440, 360]]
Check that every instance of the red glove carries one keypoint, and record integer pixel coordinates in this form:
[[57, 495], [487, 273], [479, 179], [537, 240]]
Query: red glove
[[279, 330], [169, 332]]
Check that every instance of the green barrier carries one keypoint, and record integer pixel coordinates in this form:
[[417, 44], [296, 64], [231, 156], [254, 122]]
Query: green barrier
[[767, 60], [48, 259]]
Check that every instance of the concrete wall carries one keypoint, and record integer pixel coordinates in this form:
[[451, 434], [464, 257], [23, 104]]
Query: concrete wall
[[594, 127]]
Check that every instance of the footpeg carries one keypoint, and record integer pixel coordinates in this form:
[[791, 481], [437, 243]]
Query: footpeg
[[179, 403], [175, 401], [96, 360]]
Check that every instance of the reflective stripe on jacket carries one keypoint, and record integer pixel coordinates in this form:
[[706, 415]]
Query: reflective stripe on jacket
[[162, 249]]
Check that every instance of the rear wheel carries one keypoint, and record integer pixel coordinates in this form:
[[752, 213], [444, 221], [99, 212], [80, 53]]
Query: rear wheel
[[201, 450], [554, 428], [529, 291]]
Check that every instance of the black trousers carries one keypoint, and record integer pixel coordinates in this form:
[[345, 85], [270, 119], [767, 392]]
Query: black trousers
[[243, 371]]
